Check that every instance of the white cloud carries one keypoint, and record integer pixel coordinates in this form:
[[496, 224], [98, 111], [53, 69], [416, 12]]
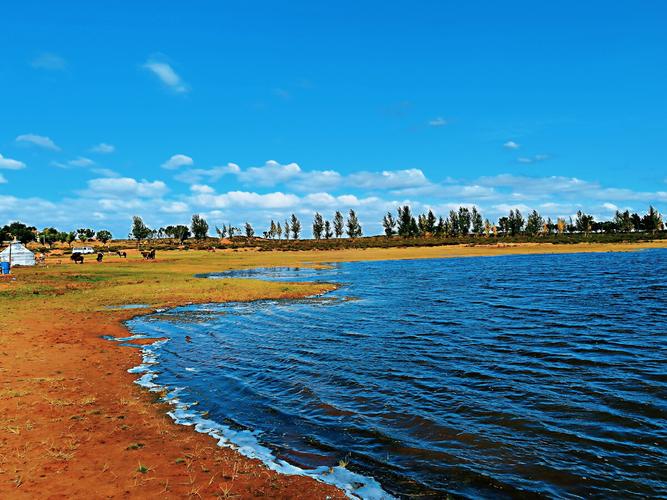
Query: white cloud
[[103, 148], [10, 164], [197, 175], [511, 145], [166, 74], [437, 122], [49, 61], [174, 207], [610, 206], [201, 188], [248, 199], [3, 180], [292, 176], [532, 159], [81, 162], [104, 172], [271, 174], [388, 179], [124, 186], [177, 161], [504, 208], [38, 140]]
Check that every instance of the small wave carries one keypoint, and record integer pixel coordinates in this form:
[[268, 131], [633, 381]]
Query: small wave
[[246, 442]]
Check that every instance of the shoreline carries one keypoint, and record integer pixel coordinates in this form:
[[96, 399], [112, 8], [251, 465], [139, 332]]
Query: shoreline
[[67, 411], [243, 441]]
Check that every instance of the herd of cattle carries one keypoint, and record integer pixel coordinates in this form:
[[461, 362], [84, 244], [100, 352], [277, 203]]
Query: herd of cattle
[[77, 258]]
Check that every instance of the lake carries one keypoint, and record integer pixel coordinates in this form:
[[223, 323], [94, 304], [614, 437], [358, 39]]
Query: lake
[[535, 375]]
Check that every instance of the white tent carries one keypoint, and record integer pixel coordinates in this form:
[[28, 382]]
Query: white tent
[[20, 255]]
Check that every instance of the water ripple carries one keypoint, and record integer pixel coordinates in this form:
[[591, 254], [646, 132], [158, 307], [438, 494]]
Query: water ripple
[[488, 377]]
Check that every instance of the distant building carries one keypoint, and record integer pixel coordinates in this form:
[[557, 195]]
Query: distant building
[[17, 255], [83, 250]]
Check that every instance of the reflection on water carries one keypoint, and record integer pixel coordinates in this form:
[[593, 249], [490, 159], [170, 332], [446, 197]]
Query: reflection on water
[[512, 376]]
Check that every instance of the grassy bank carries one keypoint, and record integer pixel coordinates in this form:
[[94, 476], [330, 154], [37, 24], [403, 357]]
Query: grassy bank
[[71, 420]]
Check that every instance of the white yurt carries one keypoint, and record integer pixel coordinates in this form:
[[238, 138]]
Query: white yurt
[[17, 255]]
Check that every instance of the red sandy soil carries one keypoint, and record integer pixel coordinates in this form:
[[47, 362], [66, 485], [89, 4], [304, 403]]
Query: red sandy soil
[[74, 425]]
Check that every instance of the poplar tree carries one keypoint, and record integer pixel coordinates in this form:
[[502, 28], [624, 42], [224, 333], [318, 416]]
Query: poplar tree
[[454, 223], [353, 226], [338, 224], [328, 233], [318, 226], [464, 220], [477, 222], [249, 231], [430, 222], [296, 227], [389, 224], [405, 222], [534, 223]]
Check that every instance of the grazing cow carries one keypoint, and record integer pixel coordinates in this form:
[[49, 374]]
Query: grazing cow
[[149, 255], [77, 258], [100, 257], [122, 254]]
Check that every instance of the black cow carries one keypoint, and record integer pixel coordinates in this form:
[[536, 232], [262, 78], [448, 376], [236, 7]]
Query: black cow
[[77, 258]]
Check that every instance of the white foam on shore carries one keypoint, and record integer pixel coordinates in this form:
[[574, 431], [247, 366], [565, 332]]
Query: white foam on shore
[[246, 442]]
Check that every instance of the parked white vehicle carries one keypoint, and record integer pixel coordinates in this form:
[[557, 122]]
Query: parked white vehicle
[[83, 250]]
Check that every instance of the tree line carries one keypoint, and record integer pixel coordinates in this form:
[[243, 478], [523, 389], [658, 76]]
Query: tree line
[[50, 235], [462, 222], [290, 228], [469, 222]]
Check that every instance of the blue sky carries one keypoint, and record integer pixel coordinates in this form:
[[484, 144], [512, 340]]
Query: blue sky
[[253, 110]]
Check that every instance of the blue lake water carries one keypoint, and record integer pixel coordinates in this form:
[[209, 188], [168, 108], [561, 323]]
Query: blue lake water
[[540, 375]]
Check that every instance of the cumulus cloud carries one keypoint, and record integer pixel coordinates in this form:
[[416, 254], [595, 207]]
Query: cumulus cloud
[[11, 164], [177, 161], [124, 186], [167, 75], [511, 145], [437, 122], [388, 179], [293, 177], [38, 140], [103, 148], [270, 174], [48, 61], [201, 188], [247, 199]]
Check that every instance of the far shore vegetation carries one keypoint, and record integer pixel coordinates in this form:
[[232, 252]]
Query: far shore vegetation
[[462, 226]]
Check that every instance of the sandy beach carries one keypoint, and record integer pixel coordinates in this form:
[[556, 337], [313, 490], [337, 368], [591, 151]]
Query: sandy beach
[[74, 425]]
